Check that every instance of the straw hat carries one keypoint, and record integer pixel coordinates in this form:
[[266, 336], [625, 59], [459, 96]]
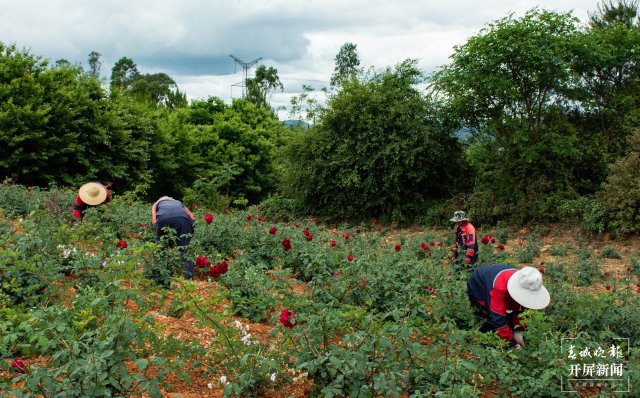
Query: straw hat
[[525, 286], [93, 193]]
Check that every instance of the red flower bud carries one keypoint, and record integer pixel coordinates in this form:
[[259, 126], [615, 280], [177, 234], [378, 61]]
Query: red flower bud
[[122, 244], [208, 218], [493, 240], [350, 258], [357, 231], [397, 248], [608, 287], [249, 217], [273, 230], [346, 235], [485, 240], [286, 244], [432, 243], [286, 317], [18, 365], [501, 246], [333, 242]]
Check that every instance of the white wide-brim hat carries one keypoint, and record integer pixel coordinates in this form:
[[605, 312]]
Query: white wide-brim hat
[[525, 287], [93, 193]]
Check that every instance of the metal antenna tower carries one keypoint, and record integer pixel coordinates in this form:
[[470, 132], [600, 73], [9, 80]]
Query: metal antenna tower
[[245, 66]]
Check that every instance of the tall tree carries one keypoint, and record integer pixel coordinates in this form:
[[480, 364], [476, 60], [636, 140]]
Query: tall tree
[[508, 84], [94, 63], [159, 89], [265, 82], [607, 60], [347, 63], [124, 73], [615, 12]]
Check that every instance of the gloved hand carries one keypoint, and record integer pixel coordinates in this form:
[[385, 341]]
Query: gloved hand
[[519, 339]]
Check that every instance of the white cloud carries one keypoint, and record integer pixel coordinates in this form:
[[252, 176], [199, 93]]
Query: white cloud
[[191, 40]]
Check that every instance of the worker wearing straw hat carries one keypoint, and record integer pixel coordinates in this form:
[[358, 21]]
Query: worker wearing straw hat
[[90, 194], [499, 292]]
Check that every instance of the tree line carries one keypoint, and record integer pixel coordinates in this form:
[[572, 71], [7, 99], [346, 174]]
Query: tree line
[[534, 119]]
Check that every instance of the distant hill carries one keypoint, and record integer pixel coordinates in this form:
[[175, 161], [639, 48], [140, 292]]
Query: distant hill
[[296, 123]]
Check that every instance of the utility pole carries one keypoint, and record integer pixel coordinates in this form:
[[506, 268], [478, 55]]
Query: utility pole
[[245, 66]]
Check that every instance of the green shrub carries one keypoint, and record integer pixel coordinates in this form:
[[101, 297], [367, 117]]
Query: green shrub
[[621, 191], [354, 165], [609, 252]]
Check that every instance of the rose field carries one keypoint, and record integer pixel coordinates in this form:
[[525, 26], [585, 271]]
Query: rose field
[[296, 308]]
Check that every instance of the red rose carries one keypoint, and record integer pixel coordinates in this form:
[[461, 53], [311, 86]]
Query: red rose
[[286, 243], [424, 246], [429, 254], [214, 272], [249, 217], [493, 240], [309, 237], [541, 262], [467, 260], [208, 218], [432, 243], [346, 235], [608, 287], [286, 317], [357, 231], [628, 269], [485, 240], [501, 246], [109, 183], [541, 270], [305, 232], [398, 248], [122, 244], [18, 365], [350, 258], [201, 261], [333, 242], [273, 230]]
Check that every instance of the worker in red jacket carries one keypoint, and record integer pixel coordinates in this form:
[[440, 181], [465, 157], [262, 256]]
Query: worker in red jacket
[[499, 292], [465, 239], [89, 195]]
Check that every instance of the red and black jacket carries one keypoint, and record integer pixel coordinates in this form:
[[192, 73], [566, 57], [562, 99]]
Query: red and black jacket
[[487, 287], [466, 240]]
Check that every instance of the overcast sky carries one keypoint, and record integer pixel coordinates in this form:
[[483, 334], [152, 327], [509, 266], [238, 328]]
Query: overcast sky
[[191, 40]]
